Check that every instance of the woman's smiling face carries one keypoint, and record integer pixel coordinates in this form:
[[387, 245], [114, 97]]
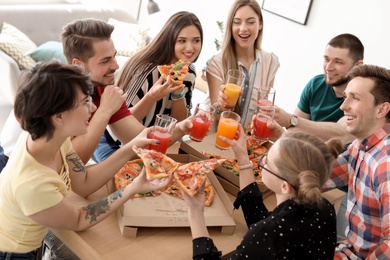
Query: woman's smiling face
[[245, 27]]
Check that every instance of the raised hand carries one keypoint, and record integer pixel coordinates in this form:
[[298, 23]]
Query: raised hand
[[222, 97], [282, 117], [238, 144], [161, 89], [196, 202], [142, 140], [141, 184], [112, 99]]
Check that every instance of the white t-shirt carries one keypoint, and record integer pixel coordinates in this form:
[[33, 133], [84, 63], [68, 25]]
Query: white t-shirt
[[10, 134]]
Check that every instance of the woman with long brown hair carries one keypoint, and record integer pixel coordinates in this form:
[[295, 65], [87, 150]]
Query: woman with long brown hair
[[241, 49]]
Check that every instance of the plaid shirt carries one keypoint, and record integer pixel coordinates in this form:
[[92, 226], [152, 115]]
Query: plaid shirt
[[365, 167]]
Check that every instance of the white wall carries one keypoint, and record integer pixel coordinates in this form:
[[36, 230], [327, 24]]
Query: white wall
[[299, 48]]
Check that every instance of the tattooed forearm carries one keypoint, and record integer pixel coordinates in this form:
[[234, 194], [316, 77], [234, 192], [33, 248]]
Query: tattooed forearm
[[95, 209], [75, 159]]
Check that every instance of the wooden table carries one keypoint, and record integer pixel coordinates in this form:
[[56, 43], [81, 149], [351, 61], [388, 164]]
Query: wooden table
[[104, 240]]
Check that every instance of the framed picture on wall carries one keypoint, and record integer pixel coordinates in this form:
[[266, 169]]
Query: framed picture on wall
[[294, 10]]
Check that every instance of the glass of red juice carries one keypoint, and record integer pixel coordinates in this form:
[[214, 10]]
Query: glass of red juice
[[264, 115], [162, 131], [201, 122]]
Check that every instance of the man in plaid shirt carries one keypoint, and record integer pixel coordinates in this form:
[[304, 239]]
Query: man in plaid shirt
[[365, 165]]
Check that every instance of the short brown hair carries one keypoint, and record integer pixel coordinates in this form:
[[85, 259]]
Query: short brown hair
[[47, 89], [78, 37], [350, 42], [381, 78]]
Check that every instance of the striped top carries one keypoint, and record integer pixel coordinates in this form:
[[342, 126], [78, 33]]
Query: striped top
[[141, 85], [261, 73]]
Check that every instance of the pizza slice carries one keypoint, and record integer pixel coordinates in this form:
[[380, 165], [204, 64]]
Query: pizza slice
[[209, 193], [177, 72], [191, 176], [175, 191], [128, 173], [231, 164], [157, 164]]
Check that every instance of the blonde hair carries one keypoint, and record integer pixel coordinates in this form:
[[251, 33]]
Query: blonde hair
[[229, 57], [305, 161]]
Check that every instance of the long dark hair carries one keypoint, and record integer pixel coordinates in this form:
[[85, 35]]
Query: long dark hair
[[159, 51]]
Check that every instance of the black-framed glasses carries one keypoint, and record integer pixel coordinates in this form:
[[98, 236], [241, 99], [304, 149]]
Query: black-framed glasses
[[262, 161]]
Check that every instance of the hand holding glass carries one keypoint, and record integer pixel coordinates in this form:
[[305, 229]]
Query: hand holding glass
[[201, 122], [162, 131], [227, 127], [233, 86], [264, 115]]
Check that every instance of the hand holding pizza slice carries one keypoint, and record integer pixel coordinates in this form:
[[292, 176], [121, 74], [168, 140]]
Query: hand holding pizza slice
[[191, 176], [177, 72], [157, 164]]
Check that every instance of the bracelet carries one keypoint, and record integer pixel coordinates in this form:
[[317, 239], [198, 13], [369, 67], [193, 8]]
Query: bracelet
[[177, 96], [245, 166], [219, 110], [174, 99]]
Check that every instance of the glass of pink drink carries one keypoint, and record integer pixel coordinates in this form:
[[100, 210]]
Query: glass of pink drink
[[203, 117], [264, 115], [163, 129]]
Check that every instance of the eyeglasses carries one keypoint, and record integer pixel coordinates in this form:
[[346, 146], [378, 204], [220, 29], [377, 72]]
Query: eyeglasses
[[262, 161], [88, 102]]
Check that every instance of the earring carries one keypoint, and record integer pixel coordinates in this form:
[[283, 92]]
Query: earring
[[59, 125]]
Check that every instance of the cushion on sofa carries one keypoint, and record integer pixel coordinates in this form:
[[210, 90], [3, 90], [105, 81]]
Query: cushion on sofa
[[17, 45], [48, 51], [127, 37]]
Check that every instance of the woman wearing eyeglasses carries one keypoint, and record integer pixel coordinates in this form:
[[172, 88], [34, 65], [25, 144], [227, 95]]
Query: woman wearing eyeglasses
[[303, 224]]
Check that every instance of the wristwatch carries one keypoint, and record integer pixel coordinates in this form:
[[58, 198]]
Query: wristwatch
[[294, 120]]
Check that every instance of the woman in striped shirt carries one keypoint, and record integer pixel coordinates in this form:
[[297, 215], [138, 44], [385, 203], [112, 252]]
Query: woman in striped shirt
[[148, 93], [241, 49]]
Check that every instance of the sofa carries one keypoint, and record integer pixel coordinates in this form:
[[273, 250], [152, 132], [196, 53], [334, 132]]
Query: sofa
[[42, 24]]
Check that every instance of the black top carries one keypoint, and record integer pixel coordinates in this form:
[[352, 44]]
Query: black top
[[291, 231]]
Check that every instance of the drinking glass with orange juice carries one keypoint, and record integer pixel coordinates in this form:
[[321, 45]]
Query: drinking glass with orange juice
[[162, 131], [201, 122], [227, 127], [233, 86]]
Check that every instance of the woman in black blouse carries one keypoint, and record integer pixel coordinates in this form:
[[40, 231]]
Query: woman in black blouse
[[303, 224]]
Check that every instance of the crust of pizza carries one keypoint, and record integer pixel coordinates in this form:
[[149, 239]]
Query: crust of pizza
[[231, 164], [177, 72], [191, 176], [128, 173], [157, 164], [209, 193]]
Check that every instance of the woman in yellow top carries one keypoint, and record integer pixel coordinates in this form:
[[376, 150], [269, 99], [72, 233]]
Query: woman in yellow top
[[54, 104]]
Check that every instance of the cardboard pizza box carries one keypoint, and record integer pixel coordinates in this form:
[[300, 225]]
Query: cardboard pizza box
[[228, 180], [167, 211]]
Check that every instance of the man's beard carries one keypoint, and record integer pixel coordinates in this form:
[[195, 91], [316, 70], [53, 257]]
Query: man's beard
[[339, 82], [98, 83]]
